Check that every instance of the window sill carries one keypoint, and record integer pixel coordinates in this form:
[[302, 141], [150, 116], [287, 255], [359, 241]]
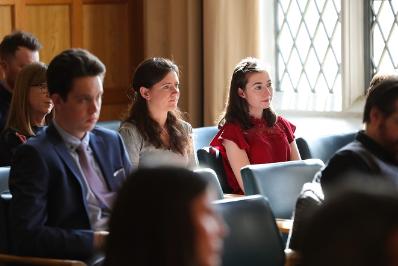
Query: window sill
[[315, 123]]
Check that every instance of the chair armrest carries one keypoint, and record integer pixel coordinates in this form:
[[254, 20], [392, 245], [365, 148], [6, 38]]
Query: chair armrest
[[292, 257], [231, 196], [39, 261]]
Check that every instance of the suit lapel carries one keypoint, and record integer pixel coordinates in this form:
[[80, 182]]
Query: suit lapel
[[64, 154], [98, 147]]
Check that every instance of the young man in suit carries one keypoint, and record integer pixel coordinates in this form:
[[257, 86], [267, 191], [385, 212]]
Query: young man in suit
[[17, 50], [63, 182]]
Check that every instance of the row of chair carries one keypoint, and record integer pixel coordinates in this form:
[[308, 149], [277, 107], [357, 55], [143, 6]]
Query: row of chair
[[280, 183], [253, 237], [322, 147]]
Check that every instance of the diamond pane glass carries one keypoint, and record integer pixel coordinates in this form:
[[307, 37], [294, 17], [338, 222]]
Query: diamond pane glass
[[314, 30], [384, 35]]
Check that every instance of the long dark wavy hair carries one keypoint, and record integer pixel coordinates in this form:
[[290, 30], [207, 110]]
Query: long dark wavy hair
[[237, 108], [153, 231], [147, 74]]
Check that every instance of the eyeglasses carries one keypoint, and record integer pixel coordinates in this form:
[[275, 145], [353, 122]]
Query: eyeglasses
[[42, 87]]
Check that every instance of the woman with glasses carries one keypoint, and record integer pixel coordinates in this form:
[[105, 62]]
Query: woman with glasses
[[30, 110], [250, 131], [153, 131]]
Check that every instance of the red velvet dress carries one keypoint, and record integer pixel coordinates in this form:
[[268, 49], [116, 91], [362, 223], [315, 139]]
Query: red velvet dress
[[262, 144]]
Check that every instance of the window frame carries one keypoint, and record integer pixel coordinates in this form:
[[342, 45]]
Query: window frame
[[354, 52]]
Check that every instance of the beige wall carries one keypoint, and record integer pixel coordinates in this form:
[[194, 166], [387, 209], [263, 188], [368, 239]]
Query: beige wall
[[231, 33], [173, 30]]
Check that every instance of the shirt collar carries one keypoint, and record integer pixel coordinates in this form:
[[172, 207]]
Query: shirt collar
[[375, 148], [71, 141]]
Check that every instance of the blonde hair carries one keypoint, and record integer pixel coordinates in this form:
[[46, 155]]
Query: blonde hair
[[20, 110]]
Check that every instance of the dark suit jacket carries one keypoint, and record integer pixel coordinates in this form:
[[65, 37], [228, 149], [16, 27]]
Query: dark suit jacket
[[363, 158], [5, 100], [48, 210]]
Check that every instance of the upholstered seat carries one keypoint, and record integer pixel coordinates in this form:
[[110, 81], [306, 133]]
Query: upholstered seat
[[211, 158], [110, 124], [202, 136], [4, 174], [5, 198], [323, 147], [310, 199], [253, 238], [211, 176], [280, 182]]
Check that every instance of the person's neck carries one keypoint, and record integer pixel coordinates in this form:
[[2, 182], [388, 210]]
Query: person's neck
[[61, 124], [159, 116], [38, 120], [373, 133], [256, 113]]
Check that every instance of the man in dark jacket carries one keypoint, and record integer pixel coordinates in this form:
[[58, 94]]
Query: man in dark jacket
[[374, 152], [16, 51], [63, 181]]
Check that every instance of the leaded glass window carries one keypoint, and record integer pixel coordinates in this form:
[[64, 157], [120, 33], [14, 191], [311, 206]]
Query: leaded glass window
[[308, 46], [383, 35]]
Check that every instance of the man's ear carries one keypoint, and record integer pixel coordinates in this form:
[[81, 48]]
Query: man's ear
[[375, 115], [57, 99], [145, 93], [241, 93]]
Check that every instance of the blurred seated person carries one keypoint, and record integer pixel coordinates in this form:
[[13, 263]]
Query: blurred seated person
[[250, 131], [153, 131], [164, 216], [375, 149], [357, 226], [30, 110], [17, 50], [64, 181]]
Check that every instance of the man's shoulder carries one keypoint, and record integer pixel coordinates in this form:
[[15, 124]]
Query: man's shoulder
[[108, 138], [41, 143], [353, 157], [353, 149], [104, 132]]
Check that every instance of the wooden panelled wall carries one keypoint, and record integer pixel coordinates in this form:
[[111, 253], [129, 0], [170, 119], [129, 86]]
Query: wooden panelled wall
[[110, 29]]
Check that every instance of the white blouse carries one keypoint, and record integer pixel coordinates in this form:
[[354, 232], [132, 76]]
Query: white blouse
[[144, 154]]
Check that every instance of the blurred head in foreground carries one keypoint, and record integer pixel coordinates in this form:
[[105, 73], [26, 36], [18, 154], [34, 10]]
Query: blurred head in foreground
[[164, 216]]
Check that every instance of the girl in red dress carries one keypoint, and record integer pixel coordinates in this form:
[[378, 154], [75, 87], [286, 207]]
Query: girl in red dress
[[250, 131]]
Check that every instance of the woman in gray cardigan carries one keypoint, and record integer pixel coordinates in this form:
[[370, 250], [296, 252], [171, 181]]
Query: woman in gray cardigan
[[153, 131]]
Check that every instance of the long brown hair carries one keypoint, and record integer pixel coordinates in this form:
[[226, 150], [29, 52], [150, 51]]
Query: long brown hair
[[236, 108], [165, 232], [147, 74], [20, 109]]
